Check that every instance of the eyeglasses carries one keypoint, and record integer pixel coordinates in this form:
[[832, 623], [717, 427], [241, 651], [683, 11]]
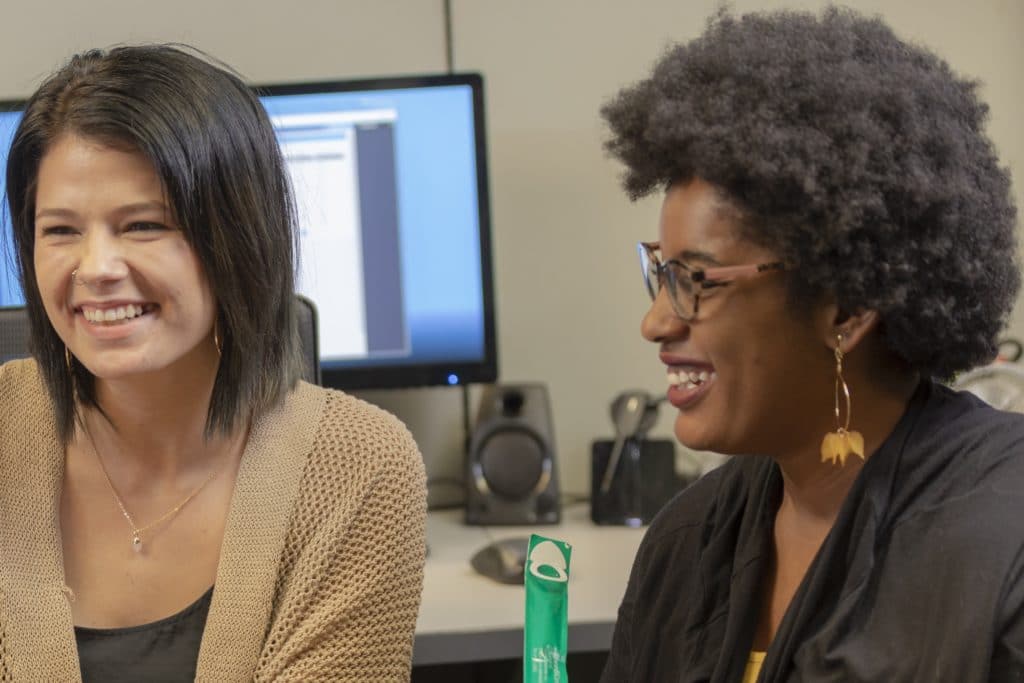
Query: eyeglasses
[[686, 284]]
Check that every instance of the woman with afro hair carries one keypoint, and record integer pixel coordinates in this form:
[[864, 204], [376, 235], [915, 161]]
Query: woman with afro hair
[[836, 241]]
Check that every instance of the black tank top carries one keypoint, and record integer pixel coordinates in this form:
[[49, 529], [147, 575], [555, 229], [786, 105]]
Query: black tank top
[[163, 651]]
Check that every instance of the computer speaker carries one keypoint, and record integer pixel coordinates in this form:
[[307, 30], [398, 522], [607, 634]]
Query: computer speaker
[[511, 477]]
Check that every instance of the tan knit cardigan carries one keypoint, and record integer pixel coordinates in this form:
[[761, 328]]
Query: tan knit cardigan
[[322, 562]]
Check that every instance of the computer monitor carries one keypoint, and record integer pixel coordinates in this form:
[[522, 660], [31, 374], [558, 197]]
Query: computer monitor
[[390, 180]]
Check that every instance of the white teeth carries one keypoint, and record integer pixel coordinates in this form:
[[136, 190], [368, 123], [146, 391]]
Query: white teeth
[[689, 379], [113, 314]]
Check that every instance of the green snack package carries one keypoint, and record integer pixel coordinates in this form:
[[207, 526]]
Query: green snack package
[[547, 611]]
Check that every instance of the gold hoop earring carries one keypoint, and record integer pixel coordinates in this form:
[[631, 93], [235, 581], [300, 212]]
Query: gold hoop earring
[[67, 360], [837, 445], [216, 339]]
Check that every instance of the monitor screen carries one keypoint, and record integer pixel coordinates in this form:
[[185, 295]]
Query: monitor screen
[[390, 182]]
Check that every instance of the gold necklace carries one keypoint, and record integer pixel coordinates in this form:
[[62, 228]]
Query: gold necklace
[[137, 530]]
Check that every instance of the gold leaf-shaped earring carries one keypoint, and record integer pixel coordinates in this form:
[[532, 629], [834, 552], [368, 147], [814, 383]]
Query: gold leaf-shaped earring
[[838, 445], [832, 448]]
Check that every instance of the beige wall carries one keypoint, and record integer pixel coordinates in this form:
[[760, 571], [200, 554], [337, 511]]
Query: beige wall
[[265, 41], [569, 296]]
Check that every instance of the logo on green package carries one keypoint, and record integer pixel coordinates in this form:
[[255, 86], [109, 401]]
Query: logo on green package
[[547, 561], [546, 632]]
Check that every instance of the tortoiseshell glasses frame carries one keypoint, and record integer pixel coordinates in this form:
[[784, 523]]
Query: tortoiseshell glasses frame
[[686, 284]]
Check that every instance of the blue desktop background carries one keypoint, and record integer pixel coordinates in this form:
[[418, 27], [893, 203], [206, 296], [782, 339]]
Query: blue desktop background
[[438, 216], [10, 292]]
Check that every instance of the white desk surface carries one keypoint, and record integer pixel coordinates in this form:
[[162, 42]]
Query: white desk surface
[[467, 617]]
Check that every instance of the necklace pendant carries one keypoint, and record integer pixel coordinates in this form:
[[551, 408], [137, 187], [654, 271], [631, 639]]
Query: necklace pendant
[[136, 543]]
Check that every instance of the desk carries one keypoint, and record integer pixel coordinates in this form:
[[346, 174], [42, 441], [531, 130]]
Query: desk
[[466, 617]]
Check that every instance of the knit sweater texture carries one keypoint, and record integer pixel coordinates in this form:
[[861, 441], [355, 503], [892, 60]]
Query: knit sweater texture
[[321, 565]]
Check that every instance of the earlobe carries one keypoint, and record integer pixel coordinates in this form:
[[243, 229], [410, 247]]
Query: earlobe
[[854, 327]]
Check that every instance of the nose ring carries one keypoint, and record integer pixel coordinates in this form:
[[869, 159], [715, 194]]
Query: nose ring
[[74, 277]]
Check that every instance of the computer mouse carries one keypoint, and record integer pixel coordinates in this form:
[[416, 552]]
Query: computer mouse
[[503, 560]]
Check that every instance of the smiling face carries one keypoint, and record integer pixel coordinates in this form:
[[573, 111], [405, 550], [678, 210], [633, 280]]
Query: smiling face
[[122, 287], [748, 374]]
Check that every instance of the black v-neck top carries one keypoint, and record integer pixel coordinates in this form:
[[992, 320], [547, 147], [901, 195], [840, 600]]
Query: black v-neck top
[[164, 651], [920, 579]]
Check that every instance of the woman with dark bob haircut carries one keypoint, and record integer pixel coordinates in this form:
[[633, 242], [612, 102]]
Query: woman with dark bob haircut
[[836, 239], [176, 504]]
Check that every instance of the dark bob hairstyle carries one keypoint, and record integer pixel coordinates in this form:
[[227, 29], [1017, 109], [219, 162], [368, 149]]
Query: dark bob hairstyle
[[212, 144], [858, 158]]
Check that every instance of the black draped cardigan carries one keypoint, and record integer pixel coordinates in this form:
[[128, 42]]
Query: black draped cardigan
[[920, 578]]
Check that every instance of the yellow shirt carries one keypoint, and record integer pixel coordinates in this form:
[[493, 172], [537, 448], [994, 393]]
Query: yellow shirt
[[753, 666]]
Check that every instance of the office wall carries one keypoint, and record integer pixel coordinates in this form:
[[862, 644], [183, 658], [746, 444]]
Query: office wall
[[568, 288], [265, 41]]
